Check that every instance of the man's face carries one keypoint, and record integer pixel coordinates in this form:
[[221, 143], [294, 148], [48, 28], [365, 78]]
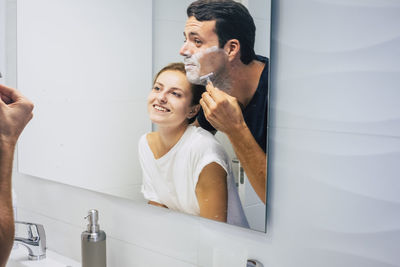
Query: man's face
[[200, 50]]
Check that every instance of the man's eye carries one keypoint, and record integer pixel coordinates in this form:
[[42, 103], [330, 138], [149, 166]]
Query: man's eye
[[197, 42]]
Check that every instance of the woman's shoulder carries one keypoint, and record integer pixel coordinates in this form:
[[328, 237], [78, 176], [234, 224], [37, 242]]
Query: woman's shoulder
[[150, 137], [145, 140], [201, 139], [199, 134], [205, 149]]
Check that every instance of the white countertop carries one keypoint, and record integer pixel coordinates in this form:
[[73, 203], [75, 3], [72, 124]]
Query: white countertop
[[19, 258]]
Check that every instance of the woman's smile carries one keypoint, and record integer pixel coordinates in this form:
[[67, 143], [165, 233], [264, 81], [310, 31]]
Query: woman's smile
[[161, 108]]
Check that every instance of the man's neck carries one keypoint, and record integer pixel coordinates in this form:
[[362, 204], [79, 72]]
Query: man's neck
[[243, 80]]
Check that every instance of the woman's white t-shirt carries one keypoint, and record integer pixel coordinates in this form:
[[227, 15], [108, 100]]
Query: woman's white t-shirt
[[171, 180]]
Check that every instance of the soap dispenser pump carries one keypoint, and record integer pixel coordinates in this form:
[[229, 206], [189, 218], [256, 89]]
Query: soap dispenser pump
[[93, 243]]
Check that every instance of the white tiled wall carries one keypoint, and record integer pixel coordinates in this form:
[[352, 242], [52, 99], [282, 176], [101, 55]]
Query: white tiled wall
[[169, 21], [87, 67], [334, 152]]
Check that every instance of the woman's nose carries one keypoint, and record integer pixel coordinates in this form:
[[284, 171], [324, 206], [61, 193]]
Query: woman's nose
[[162, 98]]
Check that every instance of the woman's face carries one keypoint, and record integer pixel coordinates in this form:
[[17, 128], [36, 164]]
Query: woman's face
[[169, 102]]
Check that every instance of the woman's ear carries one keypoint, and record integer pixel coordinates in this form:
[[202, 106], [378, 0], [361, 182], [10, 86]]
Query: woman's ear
[[232, 49], [193, 111]]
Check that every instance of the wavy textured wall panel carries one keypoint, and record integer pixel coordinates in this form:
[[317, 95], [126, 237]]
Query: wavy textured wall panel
[[334, 180], [341, 68], [334, 197]]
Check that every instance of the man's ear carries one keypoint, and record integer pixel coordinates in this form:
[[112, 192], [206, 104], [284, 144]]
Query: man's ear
[[193, 111], [232, 49]]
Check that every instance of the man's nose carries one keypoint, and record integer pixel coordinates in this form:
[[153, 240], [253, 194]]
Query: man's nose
[[184, 51]]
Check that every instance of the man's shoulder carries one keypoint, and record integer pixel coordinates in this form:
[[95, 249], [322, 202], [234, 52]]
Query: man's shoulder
[[262, 59], [263, 81]]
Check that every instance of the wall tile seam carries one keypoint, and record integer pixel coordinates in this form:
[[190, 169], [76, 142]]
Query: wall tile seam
[[322, 131], [28, 210]]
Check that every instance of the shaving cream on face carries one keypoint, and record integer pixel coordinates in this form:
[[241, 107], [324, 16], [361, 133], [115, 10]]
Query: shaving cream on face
[[193, 66]]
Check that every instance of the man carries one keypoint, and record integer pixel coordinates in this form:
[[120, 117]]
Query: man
[[219, 39], [15, 113]]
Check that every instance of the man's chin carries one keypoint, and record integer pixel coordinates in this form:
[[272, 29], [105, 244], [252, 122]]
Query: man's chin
[[193, 78]]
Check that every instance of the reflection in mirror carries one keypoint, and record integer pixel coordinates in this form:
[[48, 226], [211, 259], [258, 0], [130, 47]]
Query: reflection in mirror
[[90, 77], [184, 167]]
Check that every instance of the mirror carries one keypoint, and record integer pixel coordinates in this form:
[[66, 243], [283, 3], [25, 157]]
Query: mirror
[[88, 67]]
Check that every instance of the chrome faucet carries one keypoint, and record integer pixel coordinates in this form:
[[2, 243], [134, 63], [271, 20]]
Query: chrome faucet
[[35, 242]]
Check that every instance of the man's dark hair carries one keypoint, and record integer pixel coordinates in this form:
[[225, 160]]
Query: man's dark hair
[[233, 21]]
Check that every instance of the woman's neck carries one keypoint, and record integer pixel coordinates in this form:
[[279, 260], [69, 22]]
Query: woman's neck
[[165, 138], [169, 136]]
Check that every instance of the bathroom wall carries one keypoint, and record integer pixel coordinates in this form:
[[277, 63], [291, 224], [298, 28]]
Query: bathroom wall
[[2, 40], [73, 51], [334, 151]]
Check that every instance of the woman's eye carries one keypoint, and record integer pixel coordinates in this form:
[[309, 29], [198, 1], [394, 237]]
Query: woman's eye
[[176, 94], [156, 88]]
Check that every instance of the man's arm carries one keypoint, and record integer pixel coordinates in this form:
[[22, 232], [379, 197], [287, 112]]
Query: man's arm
[[225, 115], [6, 211], [15, 113], [252, 158]]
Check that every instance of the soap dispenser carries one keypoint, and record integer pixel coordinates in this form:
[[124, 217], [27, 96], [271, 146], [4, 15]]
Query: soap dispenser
[[93, 243]]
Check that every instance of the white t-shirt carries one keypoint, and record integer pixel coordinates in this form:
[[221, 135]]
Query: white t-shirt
[[171, 180]]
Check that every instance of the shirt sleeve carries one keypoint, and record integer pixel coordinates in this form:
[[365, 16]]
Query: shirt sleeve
[[209, 152], [207, 160], [148, 191]]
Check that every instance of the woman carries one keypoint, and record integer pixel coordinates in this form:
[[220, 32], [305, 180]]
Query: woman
[[184, 167]]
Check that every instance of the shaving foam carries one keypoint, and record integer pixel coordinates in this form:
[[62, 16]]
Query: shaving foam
[[193, 74]]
